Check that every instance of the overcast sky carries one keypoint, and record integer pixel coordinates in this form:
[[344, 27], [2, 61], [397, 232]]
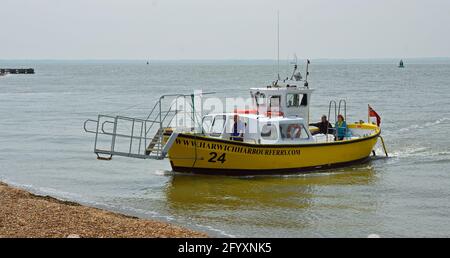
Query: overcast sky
[[223, 29]]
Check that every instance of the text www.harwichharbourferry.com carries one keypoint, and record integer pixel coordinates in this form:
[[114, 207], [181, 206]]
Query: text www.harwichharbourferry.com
[[237, 149]]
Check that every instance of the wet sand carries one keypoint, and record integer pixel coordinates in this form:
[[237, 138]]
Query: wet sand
[[23, 214]]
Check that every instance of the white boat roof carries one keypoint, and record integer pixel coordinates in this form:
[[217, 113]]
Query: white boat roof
[[284, 85], [261, 118], [279, 118]]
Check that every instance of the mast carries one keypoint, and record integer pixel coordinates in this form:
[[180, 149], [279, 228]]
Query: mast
[[278, 43], [307, 72]]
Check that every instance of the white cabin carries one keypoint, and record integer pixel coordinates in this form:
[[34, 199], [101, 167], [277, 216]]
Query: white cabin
[[280, 115], [257, 129], [288, 99]]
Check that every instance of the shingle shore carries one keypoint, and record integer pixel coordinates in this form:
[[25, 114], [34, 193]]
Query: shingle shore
[[23, 214]]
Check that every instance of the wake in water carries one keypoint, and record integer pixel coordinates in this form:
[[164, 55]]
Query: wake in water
[[415, 146], [422, 126], [164, 172], [421, 155], [410, 151]]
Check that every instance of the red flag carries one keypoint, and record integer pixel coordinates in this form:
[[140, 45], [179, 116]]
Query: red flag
[[372, 113]]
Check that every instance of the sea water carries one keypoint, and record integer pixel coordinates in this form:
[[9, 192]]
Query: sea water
[[44, 149]]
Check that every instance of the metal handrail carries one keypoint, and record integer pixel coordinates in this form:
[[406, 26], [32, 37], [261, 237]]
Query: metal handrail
[[84, 125], [345, 113], [103, 124], [345, 108], [141, 129], [335, 116]]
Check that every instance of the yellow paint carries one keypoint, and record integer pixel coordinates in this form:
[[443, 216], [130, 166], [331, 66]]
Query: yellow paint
[[207, 153], [313, 129]]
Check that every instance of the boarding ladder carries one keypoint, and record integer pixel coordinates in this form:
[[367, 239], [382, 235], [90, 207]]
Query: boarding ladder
[[338, 110], [144, 138], [341, 109]]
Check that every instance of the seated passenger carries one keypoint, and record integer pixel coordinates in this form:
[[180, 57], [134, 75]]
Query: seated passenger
[[294, 131], [324, 126], [341, 128], [238, 130]]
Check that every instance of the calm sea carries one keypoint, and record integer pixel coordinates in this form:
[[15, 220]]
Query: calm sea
[[43, 148]]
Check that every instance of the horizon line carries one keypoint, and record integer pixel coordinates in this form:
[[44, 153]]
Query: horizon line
[[218, 59]]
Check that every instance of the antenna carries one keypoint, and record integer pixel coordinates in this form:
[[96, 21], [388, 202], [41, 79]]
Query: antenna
[[278, 43], [307, 72], [295, 75]]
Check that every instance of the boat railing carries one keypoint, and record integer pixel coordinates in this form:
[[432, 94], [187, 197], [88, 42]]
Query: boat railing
[[144, 137], [331, 105], [339, 109], [112, 139], [344, 103]]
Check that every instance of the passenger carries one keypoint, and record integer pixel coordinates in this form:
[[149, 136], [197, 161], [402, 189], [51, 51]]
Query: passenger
[[238, 130], [341, 128], [324, 126]]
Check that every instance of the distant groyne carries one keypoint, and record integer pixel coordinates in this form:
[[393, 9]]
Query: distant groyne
[[17, 70]]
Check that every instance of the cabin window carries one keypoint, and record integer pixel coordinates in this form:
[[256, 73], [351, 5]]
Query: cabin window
[[304, 100], [260, 98], [292, 100], [275, 101], [206, 124], [218, 125], [269, 132], [304, 134], [244, 121], [296, 100], [293, 131]]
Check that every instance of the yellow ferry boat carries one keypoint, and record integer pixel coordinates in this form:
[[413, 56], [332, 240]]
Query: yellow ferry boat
[[273, 136], [204, 154]]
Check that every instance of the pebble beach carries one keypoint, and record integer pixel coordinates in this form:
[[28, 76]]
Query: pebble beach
[[26, 215]]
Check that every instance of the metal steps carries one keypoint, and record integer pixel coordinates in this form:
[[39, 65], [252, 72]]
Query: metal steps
[[144, 138], [124, 136], [155, 142]]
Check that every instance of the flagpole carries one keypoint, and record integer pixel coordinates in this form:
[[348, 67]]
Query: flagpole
[[368, 113]]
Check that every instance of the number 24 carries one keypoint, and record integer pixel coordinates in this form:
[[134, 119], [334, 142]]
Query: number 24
[[214, 156]]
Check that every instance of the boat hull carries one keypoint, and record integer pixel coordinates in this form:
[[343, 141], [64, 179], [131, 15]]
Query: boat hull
[[205, 155]]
